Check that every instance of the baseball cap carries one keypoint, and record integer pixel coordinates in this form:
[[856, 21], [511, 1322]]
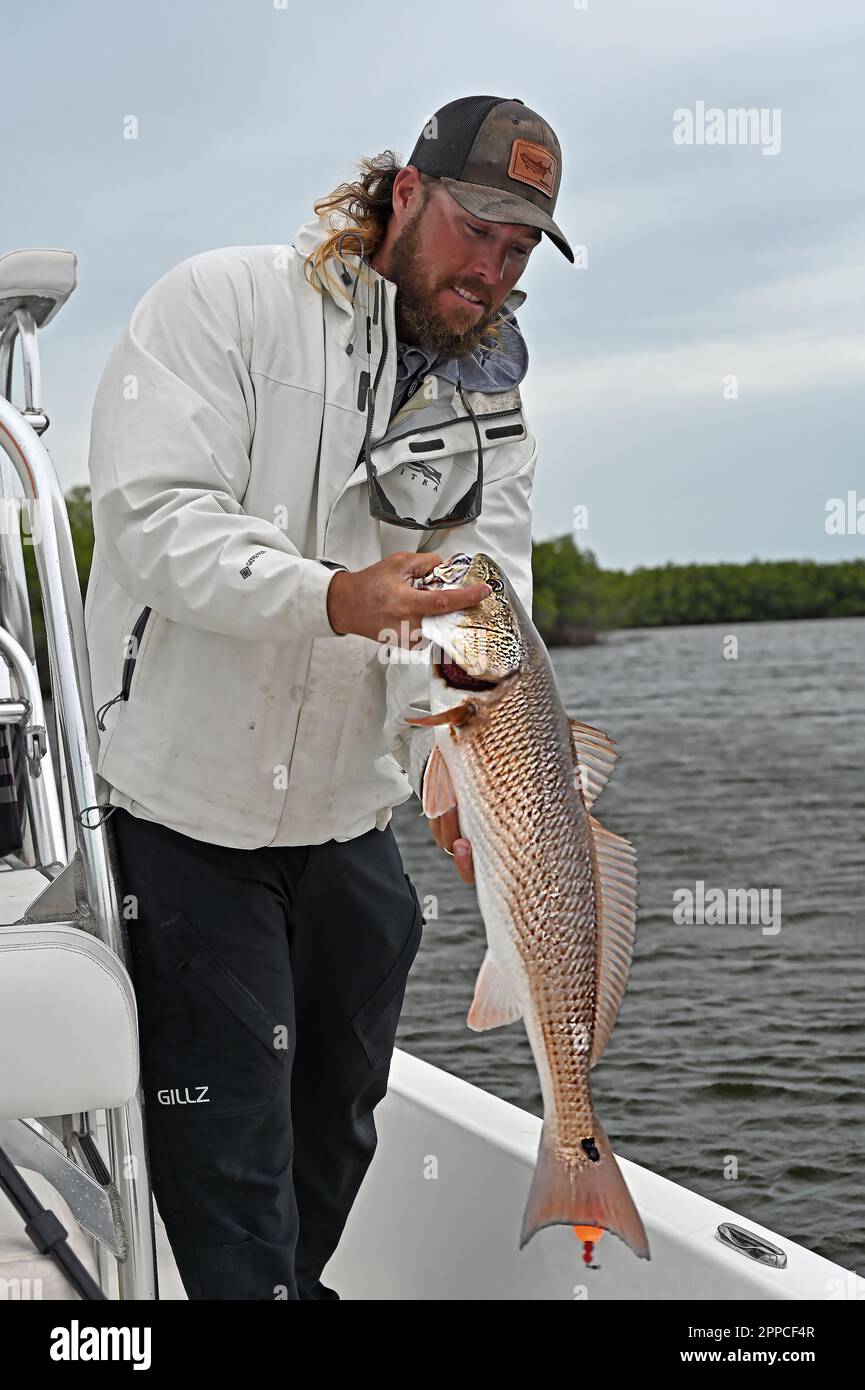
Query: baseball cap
[[500, 160]]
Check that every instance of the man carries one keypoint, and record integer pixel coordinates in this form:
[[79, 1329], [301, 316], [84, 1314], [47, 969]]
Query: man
[[282, 441]]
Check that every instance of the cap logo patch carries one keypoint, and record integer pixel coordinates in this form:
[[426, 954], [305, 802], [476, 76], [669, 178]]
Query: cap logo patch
[[532, 163]]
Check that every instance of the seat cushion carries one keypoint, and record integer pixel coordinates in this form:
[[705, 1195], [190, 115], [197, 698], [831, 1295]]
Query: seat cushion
[[68, 1023], [41, 280]]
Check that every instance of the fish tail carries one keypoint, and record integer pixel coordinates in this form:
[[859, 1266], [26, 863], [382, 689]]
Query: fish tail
[[592, 1194]]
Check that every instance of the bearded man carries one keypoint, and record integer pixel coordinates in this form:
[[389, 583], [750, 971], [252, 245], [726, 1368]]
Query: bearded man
[[284, 438]]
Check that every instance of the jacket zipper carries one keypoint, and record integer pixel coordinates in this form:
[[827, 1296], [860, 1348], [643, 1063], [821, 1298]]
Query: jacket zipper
[[365, 388], [128, 667], [380, 368]]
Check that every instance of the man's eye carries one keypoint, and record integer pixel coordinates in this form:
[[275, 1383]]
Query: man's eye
[[522, 251]]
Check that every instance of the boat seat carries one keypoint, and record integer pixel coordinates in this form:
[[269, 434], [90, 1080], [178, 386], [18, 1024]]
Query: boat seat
[[68, 1023], [39, 280]]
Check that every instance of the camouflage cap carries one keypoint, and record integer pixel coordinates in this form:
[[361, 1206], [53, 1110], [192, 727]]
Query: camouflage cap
[[500, 160]]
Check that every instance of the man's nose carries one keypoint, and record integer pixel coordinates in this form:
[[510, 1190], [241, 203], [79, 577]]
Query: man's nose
[[490, 264]]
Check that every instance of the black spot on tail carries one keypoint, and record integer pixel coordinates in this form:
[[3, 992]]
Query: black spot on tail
[[588, 1145]]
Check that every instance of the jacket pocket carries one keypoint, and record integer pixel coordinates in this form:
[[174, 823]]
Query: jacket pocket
[[145, 621], [425, 471], [452, 436], [375, 1023], [135, 639], [209, 1046]]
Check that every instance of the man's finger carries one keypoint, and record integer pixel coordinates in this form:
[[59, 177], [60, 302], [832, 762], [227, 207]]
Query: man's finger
[[449, 828], [463, 860], [421, 601]]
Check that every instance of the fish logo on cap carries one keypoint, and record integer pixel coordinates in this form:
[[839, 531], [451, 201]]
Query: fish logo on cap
[[532, 163]]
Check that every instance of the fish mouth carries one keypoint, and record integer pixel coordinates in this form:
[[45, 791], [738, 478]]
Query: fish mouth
[[441, 633], [458, 677], [449, 575]]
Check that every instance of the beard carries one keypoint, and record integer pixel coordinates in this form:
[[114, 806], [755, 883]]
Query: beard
[[417, 318]]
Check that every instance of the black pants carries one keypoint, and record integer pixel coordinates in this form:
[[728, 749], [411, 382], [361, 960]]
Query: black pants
[[269, 985]]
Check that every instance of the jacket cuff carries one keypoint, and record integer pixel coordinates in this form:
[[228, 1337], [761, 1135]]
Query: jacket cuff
[[313, 597], [420, 750]]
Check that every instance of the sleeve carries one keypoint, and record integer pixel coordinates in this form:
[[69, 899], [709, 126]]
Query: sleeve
[[171, 430], [504, 531]]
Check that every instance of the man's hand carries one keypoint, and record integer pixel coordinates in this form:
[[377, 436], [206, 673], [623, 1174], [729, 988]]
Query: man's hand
[[381, 601], [446, 833]]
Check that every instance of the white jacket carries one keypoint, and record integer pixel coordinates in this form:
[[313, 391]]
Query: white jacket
[[226, 432]]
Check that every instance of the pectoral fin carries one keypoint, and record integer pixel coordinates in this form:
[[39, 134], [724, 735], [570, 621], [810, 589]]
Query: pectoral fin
[[494, 1003], [458, 714]]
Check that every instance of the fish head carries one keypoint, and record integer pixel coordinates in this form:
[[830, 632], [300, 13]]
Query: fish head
[[475, 648]]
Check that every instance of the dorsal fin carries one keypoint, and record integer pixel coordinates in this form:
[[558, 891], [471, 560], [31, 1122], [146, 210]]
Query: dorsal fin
[[595, 755], [615, 878]]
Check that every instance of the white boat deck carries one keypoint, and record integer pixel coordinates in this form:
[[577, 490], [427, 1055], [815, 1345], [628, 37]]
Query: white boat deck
[[18, 888], [440, 1212]]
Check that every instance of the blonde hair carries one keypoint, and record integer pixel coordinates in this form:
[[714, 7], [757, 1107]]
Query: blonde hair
[[363, 207]]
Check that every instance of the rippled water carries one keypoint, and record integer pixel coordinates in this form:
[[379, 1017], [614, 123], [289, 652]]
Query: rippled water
[[745, 773]]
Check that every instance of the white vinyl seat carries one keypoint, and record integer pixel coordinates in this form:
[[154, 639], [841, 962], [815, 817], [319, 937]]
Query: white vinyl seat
[[38, 280], [68, 1023]]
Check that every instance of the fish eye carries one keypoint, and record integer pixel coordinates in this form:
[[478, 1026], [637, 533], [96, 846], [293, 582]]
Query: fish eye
[[495, 584]]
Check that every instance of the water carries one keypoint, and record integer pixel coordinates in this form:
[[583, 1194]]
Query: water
[[734, 1049]]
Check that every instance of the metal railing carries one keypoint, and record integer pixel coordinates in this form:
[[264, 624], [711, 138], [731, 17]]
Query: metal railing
[[83, 881]]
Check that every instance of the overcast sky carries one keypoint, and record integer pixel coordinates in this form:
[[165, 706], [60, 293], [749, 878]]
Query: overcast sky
[[703, 261]]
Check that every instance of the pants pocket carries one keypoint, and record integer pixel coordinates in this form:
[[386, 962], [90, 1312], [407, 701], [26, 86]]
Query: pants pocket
[[375, 1023], [209, 1047]]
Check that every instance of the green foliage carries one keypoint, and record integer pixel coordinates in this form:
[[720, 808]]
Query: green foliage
[[568, 601], [571, 587], [81, 526]]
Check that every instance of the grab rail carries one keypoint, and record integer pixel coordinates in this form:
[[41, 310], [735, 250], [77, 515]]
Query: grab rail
[[97, 901]]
